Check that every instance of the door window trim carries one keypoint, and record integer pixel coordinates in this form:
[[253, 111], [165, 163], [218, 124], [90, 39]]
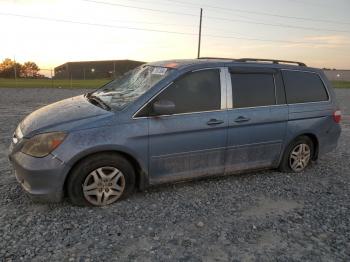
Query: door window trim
[[223, 90]]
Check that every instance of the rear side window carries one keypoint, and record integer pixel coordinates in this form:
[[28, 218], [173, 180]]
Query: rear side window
[[252, 90], [303, 87], [194, 92]]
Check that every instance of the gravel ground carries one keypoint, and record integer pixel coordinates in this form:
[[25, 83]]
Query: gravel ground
[[260, 216]]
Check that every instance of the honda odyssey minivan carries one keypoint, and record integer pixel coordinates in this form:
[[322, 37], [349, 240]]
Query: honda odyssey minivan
[[176, 120]]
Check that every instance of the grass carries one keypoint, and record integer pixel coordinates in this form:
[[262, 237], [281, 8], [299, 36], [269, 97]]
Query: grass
[[341, 84], [90, 83], [52, 83]]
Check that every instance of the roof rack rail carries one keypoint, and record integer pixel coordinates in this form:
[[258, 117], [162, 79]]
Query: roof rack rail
[[218, 58], [274, 61]]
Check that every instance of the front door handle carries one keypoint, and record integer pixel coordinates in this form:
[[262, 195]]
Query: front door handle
[[241, 119], [212, 122]]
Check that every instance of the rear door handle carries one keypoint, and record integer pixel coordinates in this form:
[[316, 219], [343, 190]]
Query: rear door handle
[[213, 122], [241, 119]]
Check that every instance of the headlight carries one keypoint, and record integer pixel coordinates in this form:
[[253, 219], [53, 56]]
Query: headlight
[[18, 132], [43, 144], [18, 135]]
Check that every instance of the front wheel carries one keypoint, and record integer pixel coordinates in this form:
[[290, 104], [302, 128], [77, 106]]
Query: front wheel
[[100, 180], [297, 155]]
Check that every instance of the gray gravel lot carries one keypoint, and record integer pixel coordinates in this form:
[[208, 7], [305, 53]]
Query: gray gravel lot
[[260, 216]]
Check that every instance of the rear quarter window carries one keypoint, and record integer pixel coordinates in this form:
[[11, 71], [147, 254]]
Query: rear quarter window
[[303, 87]]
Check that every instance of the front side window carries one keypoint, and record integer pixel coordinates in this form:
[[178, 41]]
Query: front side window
[[194, 92], [123, 91], [303, 87], [252, 90]]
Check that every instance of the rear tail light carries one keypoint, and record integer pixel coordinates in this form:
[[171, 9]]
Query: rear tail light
[[337, 116]]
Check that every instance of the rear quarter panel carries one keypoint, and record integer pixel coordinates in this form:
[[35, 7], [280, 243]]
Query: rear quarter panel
[[315, 118]]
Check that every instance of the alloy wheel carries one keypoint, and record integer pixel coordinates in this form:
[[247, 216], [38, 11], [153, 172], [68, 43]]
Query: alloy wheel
[[300, 157], [104, 186]]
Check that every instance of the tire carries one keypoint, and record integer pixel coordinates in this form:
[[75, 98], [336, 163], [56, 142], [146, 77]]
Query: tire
[[291, 158], [100, 180]]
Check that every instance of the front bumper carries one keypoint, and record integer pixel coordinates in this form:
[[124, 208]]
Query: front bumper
[[42, 178]]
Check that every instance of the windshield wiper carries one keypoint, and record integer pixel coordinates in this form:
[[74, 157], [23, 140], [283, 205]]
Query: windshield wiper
[[98, 101]]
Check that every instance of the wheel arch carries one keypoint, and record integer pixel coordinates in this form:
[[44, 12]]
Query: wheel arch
[[313, 137], [315, 142], [141, 174]]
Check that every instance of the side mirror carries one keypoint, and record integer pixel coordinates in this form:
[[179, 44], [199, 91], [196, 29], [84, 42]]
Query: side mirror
[[164, 107]]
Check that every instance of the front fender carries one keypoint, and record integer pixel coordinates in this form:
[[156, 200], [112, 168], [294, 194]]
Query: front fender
[[119, 138], [103, 148]]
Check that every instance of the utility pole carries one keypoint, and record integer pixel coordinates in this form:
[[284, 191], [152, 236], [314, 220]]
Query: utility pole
[[200, 34], [52, 84], [15, 70], [71, 80]]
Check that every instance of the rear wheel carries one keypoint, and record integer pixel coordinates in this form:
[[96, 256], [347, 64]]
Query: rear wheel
[[100, 180], [297, 155]]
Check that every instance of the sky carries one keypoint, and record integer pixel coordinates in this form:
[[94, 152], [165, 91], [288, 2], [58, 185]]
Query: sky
[[52, 32]]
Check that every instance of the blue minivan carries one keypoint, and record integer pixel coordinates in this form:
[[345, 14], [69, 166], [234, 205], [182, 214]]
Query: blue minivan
[[176, 120]]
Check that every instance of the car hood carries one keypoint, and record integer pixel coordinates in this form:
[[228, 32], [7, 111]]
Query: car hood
[[67, 114]]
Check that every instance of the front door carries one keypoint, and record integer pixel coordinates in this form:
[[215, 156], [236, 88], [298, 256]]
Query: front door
[[191, 141]]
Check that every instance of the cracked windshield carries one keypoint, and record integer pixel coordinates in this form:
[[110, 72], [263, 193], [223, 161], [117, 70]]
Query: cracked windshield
[[120, 92]]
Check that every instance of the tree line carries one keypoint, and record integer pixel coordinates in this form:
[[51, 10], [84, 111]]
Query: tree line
[[12, 69]]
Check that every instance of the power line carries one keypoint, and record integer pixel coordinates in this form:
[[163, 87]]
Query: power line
[[265, 40], [220, 18], [309, 3], [94, 24], [261, 13], [278, 25], [149, 23], [177, 3], [154, 30], [141, 8]]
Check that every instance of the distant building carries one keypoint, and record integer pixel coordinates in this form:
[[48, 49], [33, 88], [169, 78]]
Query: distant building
[[94, 69], [337, 75]]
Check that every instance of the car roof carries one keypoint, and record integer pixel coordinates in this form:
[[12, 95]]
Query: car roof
[[179, 63], [217, 62]]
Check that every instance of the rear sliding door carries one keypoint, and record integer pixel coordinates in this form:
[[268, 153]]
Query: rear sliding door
[[257, 119]]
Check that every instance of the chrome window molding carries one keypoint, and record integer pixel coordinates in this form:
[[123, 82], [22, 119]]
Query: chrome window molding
[[223, 87], [274, 83], [206, 68], [228, 82], [324, 86], [256, 107], [180, 114]]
